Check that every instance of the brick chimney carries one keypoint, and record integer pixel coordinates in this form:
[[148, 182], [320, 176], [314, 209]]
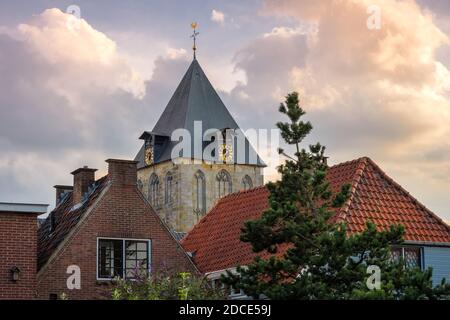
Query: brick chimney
[[122, 172], [82, 179], [60, 191]]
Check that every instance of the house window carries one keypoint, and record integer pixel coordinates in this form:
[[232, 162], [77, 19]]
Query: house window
[[247, 183], [199, 193], [410, 256], [124, 258], [154, 190], [223, 180], [168, 194]]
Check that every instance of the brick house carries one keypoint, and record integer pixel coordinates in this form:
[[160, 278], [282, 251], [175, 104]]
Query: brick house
[[215, 245], [102, 228], [18, 236]]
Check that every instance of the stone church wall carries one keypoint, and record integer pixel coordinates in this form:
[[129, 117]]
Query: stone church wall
[[179, 213]]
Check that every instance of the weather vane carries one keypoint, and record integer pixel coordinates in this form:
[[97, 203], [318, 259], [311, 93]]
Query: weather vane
[[194, 36]]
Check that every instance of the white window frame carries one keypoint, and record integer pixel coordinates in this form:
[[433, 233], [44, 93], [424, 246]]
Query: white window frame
[[149, 255], [403, 247]]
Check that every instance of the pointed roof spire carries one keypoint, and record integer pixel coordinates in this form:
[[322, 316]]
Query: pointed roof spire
[[194, 36], [194, 100]]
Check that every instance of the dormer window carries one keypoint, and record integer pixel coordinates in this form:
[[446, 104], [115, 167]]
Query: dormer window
[[153, 144]]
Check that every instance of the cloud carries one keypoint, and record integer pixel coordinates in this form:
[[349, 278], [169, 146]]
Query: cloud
[[382, 93], [175, 54], [59, 40], [68, 98], [217, 16]]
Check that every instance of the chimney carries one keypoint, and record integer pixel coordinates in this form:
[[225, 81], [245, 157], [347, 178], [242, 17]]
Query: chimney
[[122, 172], [60, 191], [82, 179]]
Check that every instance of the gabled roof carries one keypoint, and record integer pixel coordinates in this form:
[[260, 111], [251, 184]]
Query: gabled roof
[[194, 100], [64, 217], [374, 196]]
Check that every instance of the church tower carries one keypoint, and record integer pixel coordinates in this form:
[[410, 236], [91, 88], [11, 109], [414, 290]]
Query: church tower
[[182, 184]]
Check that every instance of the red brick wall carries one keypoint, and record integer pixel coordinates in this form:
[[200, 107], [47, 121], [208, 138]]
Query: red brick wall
[[18, 239], [121, 213]]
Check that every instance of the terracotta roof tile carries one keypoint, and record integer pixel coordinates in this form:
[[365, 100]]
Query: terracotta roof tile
[[374, 196]]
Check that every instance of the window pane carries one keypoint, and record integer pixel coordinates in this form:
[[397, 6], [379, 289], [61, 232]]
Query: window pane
[[396, 254], [131, 273], [141, 246], [110, 258], [412, 257], [131, 264], [142, 255], [131, 255], [136, 260], [130, 245], [143, 263]]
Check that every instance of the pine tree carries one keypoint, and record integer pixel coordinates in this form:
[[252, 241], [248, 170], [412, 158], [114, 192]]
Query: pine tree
[[311, 257]]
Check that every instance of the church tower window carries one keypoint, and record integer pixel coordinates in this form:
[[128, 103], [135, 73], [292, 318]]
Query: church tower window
[[199, 193], [223, 180], [154, 190], [247, 182], [169, 188]]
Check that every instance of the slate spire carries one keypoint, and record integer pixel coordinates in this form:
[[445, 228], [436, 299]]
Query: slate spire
[[194, 100]]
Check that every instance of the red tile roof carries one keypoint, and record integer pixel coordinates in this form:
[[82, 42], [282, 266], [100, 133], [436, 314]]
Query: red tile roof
[[374, 196]]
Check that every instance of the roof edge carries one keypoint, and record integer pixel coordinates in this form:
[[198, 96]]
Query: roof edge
[[397, 185], [33, 208]]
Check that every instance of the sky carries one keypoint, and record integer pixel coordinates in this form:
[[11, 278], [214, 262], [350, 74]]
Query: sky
[[75, 92]]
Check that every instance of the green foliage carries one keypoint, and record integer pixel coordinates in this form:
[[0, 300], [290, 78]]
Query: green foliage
[[320, 259], [166, 286]]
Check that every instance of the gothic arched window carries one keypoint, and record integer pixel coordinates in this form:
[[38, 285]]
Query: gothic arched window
[[140, 185], [223, 180], [153, 193], [169, 188], [199, 193], [247, 183]]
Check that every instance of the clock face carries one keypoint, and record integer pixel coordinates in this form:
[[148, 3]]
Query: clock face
[[226, 153], [149, 156]]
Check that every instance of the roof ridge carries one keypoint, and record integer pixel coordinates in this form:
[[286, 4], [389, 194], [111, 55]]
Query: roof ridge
[[264, 186], [363, 158], [403, 190], [356, 179], [191, 72]]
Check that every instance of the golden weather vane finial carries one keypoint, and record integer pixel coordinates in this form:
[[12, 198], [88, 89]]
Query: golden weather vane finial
[[194, 36]]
